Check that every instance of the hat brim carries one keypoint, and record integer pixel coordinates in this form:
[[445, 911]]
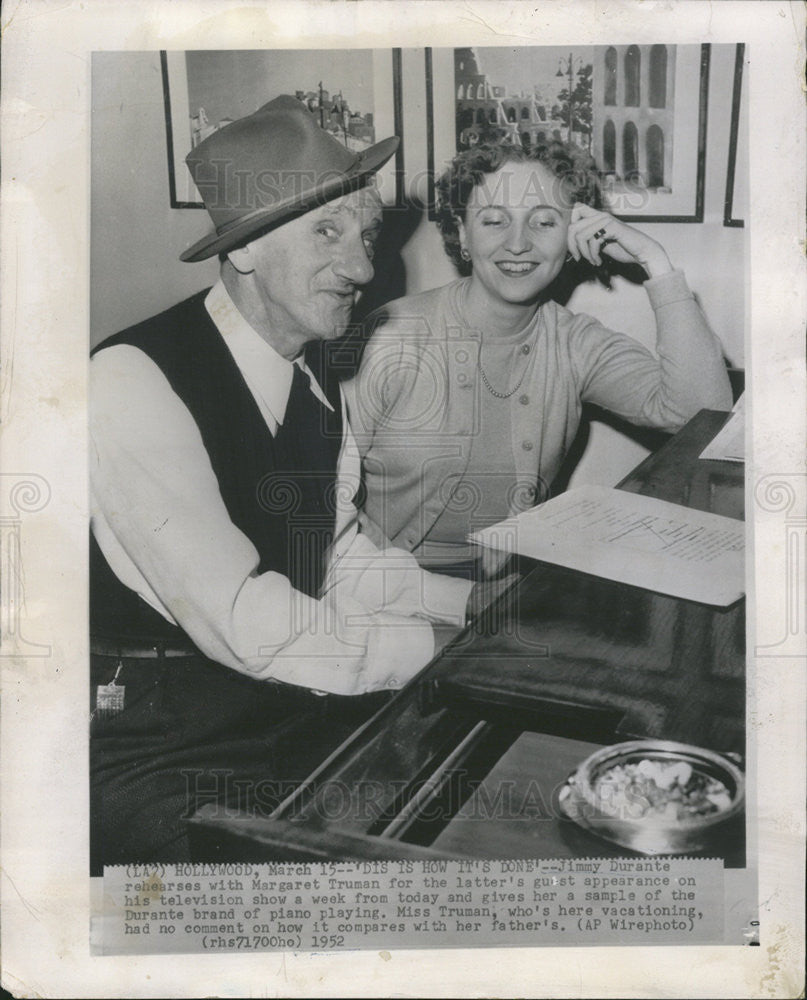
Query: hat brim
[[368, 162]]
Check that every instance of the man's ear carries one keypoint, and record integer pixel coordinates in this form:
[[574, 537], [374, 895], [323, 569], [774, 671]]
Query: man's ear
[[241, 260]]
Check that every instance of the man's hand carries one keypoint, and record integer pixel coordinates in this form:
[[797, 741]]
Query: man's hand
[[481, 597], [486, 592]]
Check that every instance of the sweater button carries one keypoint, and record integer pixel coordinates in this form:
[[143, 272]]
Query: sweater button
[[526, 445], [524, 399], [525, 349]]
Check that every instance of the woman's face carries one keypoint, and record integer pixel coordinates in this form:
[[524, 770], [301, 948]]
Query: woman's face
[[515, 230]]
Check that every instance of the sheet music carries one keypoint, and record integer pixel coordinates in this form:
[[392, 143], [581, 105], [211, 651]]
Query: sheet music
[[728, 445], [632, 539]]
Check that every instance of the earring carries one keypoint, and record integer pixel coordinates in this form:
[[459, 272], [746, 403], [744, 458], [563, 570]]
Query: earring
[[464, 254]]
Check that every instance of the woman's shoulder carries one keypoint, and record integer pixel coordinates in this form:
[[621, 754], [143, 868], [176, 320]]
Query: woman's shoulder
[[561, 316], [568, 323], [423, 314]]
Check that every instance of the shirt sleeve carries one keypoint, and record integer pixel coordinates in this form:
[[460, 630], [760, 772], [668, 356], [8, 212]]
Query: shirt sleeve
[[162, 524], [391, 580], [689, 374]]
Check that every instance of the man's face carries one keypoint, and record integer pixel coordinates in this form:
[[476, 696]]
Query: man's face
[[308, 272]]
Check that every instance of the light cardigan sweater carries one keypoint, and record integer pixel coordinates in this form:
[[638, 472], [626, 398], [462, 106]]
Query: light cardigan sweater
[[414, 404]]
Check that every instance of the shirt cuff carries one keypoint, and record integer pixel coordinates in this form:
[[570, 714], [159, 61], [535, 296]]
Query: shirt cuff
[[397, 649], [445, 598], [668, 288]]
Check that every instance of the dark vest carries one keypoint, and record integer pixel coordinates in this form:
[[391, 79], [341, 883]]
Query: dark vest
[[278, 491]]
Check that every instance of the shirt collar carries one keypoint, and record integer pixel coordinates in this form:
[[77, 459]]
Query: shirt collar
[[267, 373]]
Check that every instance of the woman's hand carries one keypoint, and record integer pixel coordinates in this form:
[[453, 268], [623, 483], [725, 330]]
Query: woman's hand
[[593, 233]]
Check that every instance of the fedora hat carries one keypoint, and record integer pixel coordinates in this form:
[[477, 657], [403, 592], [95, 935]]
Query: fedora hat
[[265, 168]]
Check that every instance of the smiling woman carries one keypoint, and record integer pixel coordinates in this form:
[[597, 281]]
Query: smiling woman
[[515, 234], [469, 396]]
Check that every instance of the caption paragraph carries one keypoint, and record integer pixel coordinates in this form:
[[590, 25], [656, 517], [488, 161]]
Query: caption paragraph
[[417, 904]]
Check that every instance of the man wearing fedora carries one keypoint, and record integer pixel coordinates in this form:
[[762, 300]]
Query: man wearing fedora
[[233, 601]]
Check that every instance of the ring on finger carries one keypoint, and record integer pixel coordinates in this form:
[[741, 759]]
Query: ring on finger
[[599, 234]]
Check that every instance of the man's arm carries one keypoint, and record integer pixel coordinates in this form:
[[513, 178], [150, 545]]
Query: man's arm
[[162, 524]]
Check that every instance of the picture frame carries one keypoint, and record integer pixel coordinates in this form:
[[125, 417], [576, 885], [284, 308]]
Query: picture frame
[[361, 106], [738, 142], [665, 181]]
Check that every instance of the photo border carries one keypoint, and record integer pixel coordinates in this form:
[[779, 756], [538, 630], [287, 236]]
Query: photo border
[[46, 314]]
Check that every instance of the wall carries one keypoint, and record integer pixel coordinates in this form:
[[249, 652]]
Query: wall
[[136, 238]]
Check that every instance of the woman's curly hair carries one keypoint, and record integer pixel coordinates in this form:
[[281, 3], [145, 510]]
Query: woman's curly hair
[[578, 180]]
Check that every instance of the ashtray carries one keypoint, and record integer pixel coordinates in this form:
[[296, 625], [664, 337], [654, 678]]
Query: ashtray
[[654, 796]]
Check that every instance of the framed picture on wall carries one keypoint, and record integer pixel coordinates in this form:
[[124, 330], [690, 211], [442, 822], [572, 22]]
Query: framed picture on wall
[[355, 93], [639, 110], [738, 147]]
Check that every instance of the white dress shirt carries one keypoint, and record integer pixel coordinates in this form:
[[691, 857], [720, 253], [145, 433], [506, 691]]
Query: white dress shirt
[[162, 525]]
